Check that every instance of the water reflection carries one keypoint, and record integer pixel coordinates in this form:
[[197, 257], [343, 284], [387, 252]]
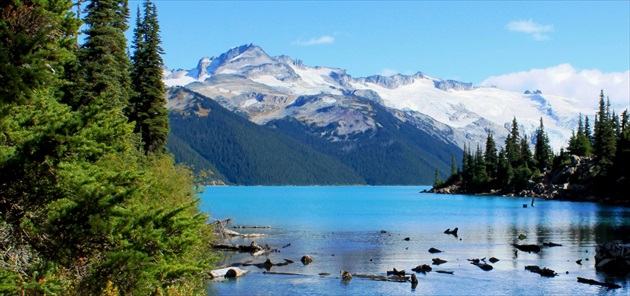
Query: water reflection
[[341, 229]]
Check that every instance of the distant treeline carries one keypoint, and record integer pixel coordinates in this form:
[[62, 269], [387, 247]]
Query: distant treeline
[[513, 166]]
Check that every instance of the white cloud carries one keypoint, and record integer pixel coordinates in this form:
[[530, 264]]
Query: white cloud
[[566, 81], [315, 41], [530, 27]]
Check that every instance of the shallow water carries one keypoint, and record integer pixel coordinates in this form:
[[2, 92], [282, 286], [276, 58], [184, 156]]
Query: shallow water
[[340, 227]]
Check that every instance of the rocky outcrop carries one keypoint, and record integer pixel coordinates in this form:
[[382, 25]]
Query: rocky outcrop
[[574, 181], [613, 258]]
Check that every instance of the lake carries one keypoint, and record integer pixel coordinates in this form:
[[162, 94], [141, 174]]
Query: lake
[[341, 228]]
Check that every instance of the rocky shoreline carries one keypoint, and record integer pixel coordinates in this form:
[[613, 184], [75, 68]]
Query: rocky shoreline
[[573, 182]]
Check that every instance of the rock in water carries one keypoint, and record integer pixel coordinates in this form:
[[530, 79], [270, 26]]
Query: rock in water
[[434, 250], [306, 259], [438, 261], [613, 258], [422, 268], [345, 275]]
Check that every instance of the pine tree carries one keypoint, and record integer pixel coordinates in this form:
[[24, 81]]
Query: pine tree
[[80, 206], [480, 176], [454, 169], [147, 106], [512, 145], [604, 145], [526, 153], [587, 133], [542, 151], [490, 157], [103, 57]]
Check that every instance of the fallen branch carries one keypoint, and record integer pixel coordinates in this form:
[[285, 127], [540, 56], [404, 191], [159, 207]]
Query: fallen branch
[[594, 282]]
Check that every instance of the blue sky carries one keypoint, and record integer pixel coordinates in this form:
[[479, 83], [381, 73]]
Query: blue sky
[[483, 42]]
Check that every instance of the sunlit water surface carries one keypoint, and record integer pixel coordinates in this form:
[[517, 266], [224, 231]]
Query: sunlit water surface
[[340, 227]]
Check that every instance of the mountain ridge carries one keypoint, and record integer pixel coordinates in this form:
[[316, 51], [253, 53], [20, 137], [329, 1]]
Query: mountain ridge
[[388, 130], [470, 111]]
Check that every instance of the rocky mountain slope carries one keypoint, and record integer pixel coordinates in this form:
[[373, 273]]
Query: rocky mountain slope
[[376, 125]]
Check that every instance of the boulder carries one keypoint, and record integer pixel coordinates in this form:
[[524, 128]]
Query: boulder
[[306, 259], [424, 268], [438, 261], [434, 250], [345, 275], [613, 258]]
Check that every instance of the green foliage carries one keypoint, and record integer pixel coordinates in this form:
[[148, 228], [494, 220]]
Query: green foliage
[[103, 57], [608, 177], [80, 205], [542, 149], [148, 104], [580, 142], [604, 144], [490, 157]]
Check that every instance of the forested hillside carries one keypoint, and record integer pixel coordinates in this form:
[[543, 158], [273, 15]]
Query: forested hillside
[[209, 136]]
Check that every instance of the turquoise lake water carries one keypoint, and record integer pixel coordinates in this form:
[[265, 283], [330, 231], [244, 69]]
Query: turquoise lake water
[[340, 227]]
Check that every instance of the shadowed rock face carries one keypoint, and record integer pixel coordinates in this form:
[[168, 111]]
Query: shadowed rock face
[[613, 258]]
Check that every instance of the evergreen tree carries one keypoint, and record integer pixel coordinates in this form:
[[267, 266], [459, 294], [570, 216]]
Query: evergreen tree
[[454, 169], [526, 154], [604, 145], [81, 210], [512, 145], [103, 57], [437, 177], [490, 157], [542, 151], [147, 105], [480, 176], [588, 134], [505, 173]]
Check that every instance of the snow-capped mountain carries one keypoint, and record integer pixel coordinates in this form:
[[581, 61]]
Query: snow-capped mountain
[[247, 80]]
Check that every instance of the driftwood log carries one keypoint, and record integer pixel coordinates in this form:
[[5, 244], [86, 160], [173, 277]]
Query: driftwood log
[[542, 271], [228, 272], [527, 248], [393, 278], [396, 272], [252, 248], [481, 263], [594, 282]]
